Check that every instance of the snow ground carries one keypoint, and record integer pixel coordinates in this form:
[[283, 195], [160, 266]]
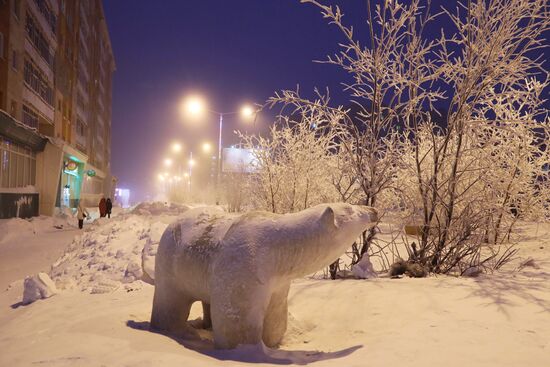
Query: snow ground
[[501, 319]]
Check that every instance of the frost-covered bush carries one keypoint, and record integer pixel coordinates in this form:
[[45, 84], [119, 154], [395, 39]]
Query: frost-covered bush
[[293, 167]]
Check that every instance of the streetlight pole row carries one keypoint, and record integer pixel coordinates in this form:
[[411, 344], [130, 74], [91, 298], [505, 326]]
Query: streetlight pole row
[[195, 106]]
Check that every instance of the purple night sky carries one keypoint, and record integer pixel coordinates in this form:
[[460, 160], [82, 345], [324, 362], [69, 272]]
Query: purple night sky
[[231, 52]]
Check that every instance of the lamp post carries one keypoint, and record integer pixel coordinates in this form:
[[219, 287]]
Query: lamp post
[[195, 106], [191, 164]]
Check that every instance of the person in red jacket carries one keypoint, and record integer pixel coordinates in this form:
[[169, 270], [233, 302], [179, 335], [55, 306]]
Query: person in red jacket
[[102, 207]]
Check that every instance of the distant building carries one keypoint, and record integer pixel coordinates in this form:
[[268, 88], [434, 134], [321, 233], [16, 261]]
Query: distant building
[[122, 197], [56, 66]]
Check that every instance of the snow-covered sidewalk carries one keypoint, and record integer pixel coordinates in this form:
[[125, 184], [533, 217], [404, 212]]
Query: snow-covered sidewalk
[[32, 246]]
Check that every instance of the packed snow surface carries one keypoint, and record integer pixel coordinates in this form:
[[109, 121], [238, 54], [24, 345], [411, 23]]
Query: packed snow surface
[[499, 319]]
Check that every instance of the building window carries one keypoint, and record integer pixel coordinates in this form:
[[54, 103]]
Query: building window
[[14, 59], [38, 39], [1, 45], [47, 13], [38, 82], [17, 165], [30, 118], [13, 109], [80, 128], [17, 8]]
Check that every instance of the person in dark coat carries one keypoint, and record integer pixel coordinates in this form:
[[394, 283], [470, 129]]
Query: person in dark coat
[[102, 207], [109, 206], [81, 213]]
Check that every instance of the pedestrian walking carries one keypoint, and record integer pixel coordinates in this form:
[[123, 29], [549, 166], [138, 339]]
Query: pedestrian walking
[[109, 206], [102, 207], [81, 213]]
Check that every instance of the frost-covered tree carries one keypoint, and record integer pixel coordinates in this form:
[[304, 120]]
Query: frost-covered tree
[[368, 133], [464, 172], [293, 166]]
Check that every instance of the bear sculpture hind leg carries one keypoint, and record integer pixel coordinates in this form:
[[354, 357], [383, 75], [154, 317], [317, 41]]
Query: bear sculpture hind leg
[[170, 309], [276, 316]]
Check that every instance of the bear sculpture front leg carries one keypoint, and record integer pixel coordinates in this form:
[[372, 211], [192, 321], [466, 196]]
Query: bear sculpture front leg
[[171, 308], [276, 316]]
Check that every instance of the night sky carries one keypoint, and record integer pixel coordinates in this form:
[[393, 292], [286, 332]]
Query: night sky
[[230, 52]]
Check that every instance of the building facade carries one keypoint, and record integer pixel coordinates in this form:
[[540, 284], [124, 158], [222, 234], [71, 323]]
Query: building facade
[[56, 66]]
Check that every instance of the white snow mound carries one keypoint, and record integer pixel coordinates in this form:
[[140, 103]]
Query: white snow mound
[[108, 254]]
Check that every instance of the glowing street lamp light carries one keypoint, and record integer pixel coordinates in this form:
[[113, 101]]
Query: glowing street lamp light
[[168, 162], [176, 147], [247, 111], [195, 106], [206, 147], [191, 162], [161, 177]]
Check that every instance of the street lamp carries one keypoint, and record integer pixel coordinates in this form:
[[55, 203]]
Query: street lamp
[[195, 106], [247, 111], [206, 147], [176, 147], [168, 162]]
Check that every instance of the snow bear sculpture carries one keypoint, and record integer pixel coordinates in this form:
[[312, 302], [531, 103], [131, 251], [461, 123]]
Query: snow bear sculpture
[[240, 266]]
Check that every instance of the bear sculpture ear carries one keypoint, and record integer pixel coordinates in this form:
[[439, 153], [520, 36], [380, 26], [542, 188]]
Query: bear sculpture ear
[[327, 218]]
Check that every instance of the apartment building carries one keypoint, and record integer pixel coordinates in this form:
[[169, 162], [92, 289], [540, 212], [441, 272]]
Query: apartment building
[[56, 66]]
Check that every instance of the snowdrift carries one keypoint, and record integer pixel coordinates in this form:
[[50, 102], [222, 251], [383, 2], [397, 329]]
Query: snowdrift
[[108, 254]]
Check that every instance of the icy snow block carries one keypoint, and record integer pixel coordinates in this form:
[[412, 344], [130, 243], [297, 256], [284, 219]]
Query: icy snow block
[[240, 266], [38, 287], [364, 269], [148, 255]]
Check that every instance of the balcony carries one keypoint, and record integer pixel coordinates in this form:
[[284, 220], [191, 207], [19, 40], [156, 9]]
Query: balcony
[[82, 113], [99, 156], [45, 109], [100, 104], [83, 68], [81, 141], [38, 60], [101, 87], [84, 19], [83, 41], [44, 24], [84, 93]]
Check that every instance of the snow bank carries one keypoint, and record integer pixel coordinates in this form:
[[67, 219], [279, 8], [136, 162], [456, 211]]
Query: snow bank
[[159, 208], [109, 253]]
